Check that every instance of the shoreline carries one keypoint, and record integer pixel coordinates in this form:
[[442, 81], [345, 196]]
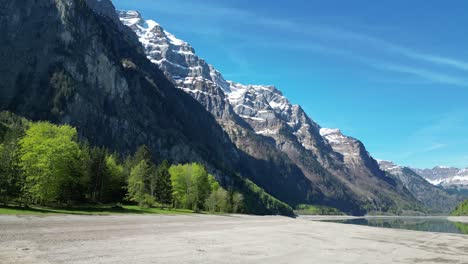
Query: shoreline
[[456, 219]]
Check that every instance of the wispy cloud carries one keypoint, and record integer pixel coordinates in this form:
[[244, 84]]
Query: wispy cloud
[[433, 147], [426, 74], [433, 136], [215, 14]]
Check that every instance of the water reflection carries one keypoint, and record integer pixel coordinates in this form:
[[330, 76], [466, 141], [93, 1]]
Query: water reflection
[[441, 225]]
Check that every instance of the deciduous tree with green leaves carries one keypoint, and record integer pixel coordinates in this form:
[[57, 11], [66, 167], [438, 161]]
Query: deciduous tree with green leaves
[[138, 187], [49, 156]]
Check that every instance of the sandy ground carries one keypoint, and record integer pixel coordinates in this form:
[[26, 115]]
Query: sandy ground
[[216, 239], [461, 219]]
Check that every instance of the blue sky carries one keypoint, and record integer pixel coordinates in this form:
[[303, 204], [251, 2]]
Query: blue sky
[[393, 74]]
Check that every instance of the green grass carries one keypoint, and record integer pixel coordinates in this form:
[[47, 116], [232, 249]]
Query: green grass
[[90, 210], [308, 209]]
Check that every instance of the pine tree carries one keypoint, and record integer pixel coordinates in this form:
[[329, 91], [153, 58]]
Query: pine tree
[[143, 153], [163, 190]]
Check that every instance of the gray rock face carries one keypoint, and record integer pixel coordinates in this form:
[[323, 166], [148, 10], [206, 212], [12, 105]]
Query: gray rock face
[[82, 69], [353, 152], [435, 198], [265, 125], [365, 171]]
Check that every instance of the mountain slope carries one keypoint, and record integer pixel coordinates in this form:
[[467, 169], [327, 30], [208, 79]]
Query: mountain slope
[[72, 61], [265, 125], [269, 167], [81, 70], [365, 171], [435, 198]]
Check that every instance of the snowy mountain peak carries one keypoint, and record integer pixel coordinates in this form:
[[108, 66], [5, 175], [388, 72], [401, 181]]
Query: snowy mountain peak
[[172, 54], [333, 135], [445, 176], [330, 131], [267, 97], [389, 166]]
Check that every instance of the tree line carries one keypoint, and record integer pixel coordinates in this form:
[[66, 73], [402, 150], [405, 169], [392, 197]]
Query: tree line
[[46, 164]]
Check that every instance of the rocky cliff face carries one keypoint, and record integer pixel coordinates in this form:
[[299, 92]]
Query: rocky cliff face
[[265, 125], [74, 62], [82, 68], [435, 198]]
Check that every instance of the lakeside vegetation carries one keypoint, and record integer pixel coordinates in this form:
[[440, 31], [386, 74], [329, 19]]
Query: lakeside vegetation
[[461, 209], [308, 209], [45, 168]]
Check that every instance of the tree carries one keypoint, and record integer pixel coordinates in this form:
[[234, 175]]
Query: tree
[[218, 201], [143, 153], [96, 172], [182, 182], [194, 188], [191, 185], [237, 202], [11, 179], [203, 188], [115, 191], [49, 155], [163, 191], [138, 188]]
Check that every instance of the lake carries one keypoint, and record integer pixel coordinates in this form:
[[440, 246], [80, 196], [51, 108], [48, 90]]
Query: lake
[[428, 224]]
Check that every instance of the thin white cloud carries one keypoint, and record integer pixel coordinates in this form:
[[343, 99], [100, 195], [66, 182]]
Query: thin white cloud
[[426, 74], [423, 74], [248, 17], [222, 13], [433, 147]]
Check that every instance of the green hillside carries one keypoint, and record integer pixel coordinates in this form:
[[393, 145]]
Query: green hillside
[[461, 210]]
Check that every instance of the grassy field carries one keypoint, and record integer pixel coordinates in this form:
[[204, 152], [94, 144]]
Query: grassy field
[[91, 210]]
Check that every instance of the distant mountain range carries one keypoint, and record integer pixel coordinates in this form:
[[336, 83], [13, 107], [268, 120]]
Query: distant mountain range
[[432, 196], [445, 176], [124, 81]]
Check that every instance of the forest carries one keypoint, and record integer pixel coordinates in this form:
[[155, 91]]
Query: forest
[[48, 165]]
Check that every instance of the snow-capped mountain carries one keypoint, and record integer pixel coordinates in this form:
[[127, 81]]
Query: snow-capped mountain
[[446, 176], [431, 196], [262, 122], [260, 106]]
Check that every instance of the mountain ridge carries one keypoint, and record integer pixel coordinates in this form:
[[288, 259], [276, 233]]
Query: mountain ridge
[[88, 70], [264, 111], [431, 196]]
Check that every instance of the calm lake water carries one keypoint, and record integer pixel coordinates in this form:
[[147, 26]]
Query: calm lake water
[[427, 224]]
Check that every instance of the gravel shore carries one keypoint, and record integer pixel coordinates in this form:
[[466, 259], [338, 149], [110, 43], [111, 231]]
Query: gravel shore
[[216, 239]]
